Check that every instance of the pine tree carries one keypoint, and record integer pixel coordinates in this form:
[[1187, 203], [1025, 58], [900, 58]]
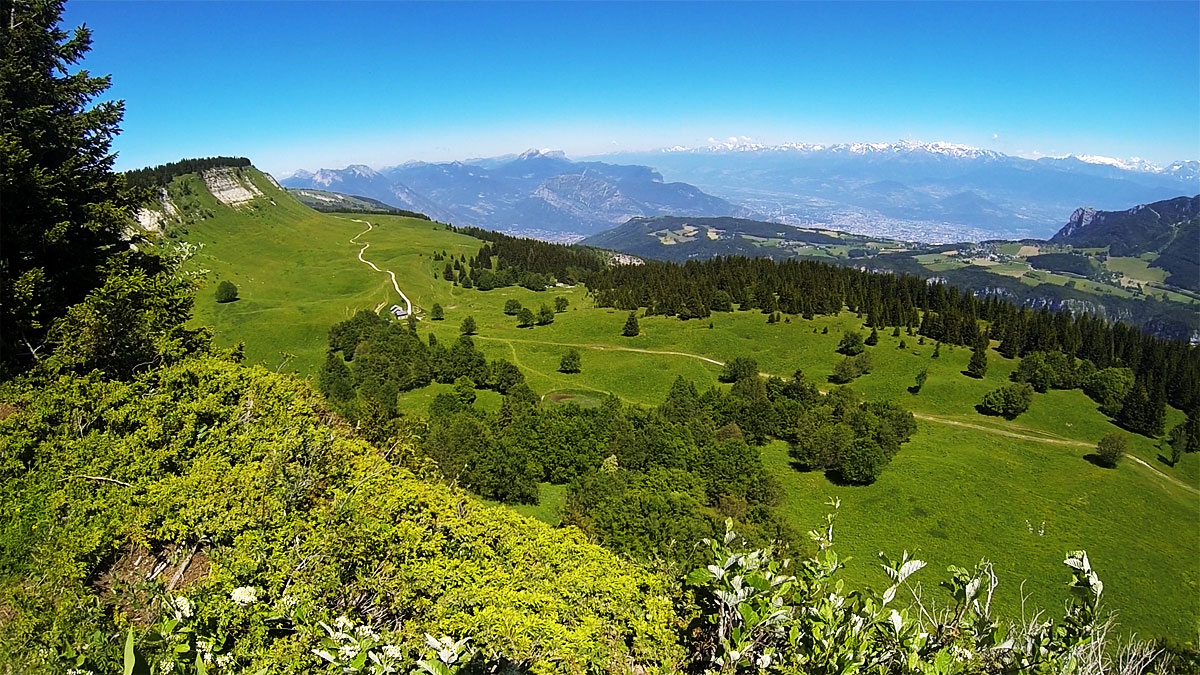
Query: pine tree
[[64, 210], [937, 350], [570, 362], [873, 338], [468, 326], [631, 326], [436, 313], [978, 366]]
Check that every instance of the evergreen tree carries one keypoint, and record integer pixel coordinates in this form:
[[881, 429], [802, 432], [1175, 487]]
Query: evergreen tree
[[468, 326], [512, 306], [873, 338], [978, 366], [570, 362], [937, 350], [525, 317], [436, 313], [64, 210], [226, 292], [896, 331], [545, 316], [631, 326]]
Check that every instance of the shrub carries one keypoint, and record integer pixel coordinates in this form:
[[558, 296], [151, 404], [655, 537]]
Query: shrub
[[436, 313], [226, 292], [512, 306], [1008, 401], [570, 362], [561, 304], [740, 368], [851, 343], [468, 326], [1111, 448]]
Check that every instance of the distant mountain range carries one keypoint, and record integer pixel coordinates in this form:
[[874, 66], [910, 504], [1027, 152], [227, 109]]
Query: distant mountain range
[[918, 191], [538, 193], [930, 192]]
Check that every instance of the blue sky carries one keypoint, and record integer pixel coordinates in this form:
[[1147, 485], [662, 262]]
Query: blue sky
[[312, 84]]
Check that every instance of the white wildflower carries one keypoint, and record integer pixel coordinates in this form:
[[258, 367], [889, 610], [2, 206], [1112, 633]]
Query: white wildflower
[[289, 601], [244, 595], [165, 667], [343, 623], [348, 652], [366, 631], [180, 606], [225, 660], [393, 652]]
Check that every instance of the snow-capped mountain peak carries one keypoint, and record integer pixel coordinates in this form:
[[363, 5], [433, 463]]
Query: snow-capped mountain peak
[[533, 153], [941, 148], [1131, 164]]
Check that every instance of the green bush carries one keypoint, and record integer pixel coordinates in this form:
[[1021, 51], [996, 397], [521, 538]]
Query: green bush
[[241, 464], [226, 292], [1008, 401]]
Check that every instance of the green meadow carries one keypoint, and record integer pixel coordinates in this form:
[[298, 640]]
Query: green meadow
[[966, 487]]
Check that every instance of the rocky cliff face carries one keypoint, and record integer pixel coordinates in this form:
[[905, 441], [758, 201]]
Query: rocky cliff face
[[230, 187]]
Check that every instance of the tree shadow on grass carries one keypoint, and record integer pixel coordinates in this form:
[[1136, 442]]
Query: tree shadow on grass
[[1095, 459]]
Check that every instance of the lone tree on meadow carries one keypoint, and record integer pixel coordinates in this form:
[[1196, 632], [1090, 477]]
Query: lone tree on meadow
[[1008, 401], [631, 326], [468, 326], [872, 339], [740, 368], [978, 366], [561, 304], [851, 344], [1111, 448], [226, 292], [512, 306], [525, 317], [545, 316], [920, 382], [570, 362], [436, 313]]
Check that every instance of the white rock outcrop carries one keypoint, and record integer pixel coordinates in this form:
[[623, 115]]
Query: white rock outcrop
[[152, 219], [229, 187]]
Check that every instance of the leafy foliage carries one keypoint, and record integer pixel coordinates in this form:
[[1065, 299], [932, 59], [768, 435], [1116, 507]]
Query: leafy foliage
[[226, 292], [1008, 401], [243, 464]]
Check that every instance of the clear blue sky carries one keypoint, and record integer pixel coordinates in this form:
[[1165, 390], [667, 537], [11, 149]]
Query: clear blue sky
[[312, 84]]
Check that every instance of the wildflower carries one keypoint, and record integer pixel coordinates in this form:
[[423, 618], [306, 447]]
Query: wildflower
[[181, 606], [348, 652], [165, 667], [343, 623], [366, 631], [244, 595], [225, 660], [393, 652]]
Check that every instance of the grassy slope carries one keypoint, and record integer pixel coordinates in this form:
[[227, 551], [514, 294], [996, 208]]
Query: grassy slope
[[955, 494]]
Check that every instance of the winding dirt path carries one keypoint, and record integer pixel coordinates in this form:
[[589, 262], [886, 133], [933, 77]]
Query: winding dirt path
[[365, 246], [921, 416]]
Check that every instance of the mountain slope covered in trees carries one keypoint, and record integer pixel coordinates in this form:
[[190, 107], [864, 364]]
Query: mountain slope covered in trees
[[1168, 232]]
